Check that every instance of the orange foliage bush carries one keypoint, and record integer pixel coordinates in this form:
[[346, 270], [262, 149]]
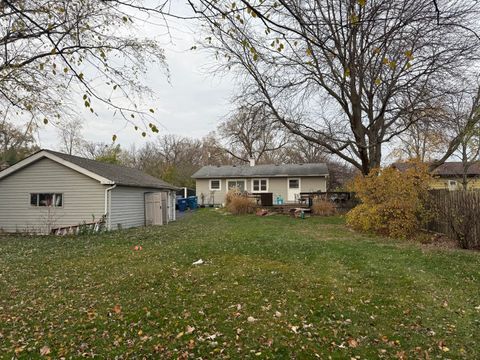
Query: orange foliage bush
[[324, 208], [393, 203]]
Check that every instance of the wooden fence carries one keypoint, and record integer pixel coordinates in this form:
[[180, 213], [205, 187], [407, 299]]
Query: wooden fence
[[343, 201], [457, 215]]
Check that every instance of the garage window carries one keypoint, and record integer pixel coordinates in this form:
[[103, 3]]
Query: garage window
[[46, 199]]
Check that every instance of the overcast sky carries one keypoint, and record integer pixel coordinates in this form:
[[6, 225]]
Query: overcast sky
[[191, 104]]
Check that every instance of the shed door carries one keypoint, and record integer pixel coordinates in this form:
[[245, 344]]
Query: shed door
[[171, 206], [153, 209], [165, 207]]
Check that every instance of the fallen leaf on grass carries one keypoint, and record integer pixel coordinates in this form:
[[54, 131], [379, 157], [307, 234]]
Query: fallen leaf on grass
[[251, 319], [117, 309], [442, 346], [352, 343], [189, 329], [45, 350]]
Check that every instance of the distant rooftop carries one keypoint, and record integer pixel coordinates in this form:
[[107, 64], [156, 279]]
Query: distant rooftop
[[271, 170], [449, 168]]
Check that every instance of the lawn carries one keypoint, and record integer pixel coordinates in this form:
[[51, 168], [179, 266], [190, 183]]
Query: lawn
[[271, 287]]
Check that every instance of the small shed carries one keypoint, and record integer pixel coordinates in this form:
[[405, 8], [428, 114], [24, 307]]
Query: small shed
[[51, 190]]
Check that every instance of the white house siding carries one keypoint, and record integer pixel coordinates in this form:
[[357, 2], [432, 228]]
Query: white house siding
[[276, 185], [83, 198], [127, 206]]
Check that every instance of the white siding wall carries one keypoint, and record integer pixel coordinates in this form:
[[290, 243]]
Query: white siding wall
[[276, 185], [82, 198]]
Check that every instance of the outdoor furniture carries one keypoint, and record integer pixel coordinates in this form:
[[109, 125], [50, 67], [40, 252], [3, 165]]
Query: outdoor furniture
[[266, 199], [255, 197], [301, 213]]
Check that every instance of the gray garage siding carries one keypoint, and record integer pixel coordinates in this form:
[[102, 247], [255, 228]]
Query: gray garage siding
[[127, 206], [82, 197]]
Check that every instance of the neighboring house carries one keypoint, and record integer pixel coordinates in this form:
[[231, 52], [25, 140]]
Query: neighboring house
[[50, 190], [287, 181], [450, 175]]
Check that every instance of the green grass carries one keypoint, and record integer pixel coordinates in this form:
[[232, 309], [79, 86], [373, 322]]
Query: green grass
[[335, 292]]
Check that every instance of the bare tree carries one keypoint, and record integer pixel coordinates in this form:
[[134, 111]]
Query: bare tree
[[100, 150], [16, 142], [465, 110], [343, 73], [172, 158], [213, 153], [299, 150], [58, 53], [424, 140], [70, 133], [251, 133]]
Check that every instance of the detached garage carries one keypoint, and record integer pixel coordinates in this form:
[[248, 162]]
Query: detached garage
[[50, 190]]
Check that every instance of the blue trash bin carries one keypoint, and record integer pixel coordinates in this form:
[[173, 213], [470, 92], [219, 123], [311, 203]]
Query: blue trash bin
[[192, 202], [182, 204]]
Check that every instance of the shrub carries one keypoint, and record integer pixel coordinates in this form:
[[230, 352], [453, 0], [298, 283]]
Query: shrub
[[324, 208], [238, 204], [231, 194], [393, 203]]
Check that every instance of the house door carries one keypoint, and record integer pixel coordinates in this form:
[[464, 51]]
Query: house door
[[294, 189], [153, 209]]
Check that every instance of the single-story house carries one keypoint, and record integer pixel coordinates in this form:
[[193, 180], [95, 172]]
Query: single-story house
[[50, 190], [449, 175], [286, 181]]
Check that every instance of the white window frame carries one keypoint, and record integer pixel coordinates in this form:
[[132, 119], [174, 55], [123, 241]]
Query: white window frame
[[260, 185], [237, 180], [452, 185], [219, 185], [299, 183], [43, 192]]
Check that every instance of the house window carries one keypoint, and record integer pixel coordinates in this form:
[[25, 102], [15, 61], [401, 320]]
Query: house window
[[293, 183], [215, 185], [236, 184], [259, 185], [452, 185], [46, 199]]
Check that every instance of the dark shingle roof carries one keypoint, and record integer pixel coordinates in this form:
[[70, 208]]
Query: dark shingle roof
[[450, 168], [120, 175], [208, 172]]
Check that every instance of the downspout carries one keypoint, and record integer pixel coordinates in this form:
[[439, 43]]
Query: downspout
[[107, 213]]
